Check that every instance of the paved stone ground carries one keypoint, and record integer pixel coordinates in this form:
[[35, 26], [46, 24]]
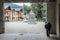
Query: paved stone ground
[[25, 32], [28, 36], [24, 27]]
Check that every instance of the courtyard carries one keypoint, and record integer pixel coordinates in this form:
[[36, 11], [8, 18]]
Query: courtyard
[[23, 31], [17, 30], [24, 27]]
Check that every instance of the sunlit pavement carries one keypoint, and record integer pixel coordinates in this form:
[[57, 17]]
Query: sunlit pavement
[[24, 27], [25, 32]]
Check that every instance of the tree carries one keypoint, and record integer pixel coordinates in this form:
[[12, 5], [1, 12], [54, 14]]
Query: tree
[[38, 9], [26, 9]]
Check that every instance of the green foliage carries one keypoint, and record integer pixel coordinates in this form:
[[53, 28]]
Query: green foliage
[[39, 7], [36, 8], [26, 9]]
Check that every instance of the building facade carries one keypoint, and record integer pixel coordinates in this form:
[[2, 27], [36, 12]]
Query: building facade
[[12, 15]]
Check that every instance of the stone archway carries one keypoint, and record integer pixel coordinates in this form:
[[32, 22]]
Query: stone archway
[[51, 13]]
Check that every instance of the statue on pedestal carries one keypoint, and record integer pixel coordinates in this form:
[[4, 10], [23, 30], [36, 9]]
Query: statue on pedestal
[[31, 17]]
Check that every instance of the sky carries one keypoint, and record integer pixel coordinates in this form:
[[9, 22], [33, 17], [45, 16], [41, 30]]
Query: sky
[[19, 4]]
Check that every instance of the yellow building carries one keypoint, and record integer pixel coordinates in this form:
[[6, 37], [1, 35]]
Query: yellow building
[[12, 15]]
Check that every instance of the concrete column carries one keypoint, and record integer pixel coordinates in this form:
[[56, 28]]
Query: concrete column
[[51, 15]]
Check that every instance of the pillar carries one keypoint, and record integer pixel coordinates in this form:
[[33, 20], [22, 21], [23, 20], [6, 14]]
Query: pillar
[[1, 19], [51, 15]]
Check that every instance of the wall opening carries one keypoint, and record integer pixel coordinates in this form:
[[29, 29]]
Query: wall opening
[[24, 17]]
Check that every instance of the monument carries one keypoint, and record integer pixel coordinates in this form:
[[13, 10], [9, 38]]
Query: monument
[[31, 17]]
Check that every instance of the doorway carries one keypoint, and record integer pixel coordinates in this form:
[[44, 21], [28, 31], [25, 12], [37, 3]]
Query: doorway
[[16, 17]]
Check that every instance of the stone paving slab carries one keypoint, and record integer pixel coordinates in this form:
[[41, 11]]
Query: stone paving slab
[[21, 27], [26, 36]]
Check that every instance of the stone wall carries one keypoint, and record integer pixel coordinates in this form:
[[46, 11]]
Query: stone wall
[[1, 19], [51, 15]]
